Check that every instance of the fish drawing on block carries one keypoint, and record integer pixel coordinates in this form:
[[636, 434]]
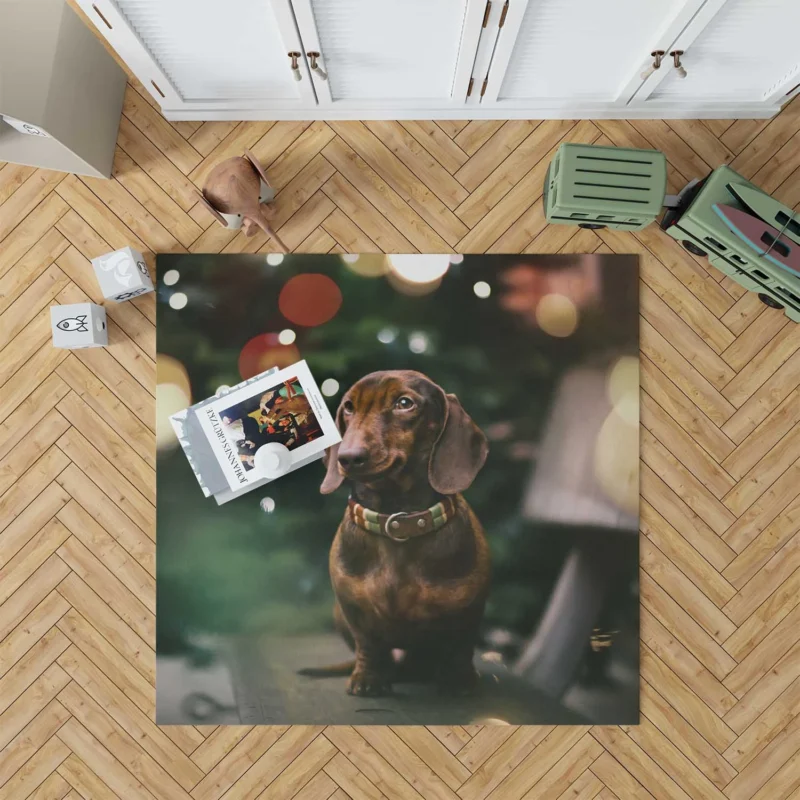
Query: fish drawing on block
[[767, 241], [77, 324]]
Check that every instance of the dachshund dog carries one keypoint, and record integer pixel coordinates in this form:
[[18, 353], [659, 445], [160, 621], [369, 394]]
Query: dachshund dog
[[409, 565]]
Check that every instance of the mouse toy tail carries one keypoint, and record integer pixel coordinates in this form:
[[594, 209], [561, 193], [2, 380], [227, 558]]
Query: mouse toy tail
[[268, 229], [330, 671]]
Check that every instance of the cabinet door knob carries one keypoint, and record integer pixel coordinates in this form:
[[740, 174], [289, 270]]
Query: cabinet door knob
[[296, 74], [315, 68], [657, 55], [676, 57]]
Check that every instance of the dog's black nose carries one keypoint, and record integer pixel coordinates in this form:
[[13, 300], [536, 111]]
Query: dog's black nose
[[354, 458]]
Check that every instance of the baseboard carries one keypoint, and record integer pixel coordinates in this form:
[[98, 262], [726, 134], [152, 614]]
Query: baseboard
[[738, 111]]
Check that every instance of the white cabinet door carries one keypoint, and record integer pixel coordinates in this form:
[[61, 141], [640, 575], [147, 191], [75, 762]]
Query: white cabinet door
[[208, 54], [576, 54], [735, 51], [385, 54]]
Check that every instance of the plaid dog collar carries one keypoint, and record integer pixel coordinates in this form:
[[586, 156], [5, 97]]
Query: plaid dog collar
[[403, 525]]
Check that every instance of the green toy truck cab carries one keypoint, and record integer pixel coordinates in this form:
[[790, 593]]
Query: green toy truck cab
[[605, 187], [702, 232]]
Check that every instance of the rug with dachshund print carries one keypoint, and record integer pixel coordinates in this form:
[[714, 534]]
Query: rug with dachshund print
[[467, 554]]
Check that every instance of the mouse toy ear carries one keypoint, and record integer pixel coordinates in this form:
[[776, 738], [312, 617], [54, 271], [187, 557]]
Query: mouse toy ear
[[459, 452], [213, 211], [333, 478], [256, 164]]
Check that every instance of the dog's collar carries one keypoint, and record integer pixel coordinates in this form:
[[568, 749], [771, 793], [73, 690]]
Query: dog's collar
[[403, 525]]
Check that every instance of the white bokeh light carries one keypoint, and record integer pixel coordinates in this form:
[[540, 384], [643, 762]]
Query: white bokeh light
[[178, 301], [420, 268], [482, 289], [287, 336], [329, 387], [417, 342], [222, 389], [387, 335], [456, 259], [171, 277], [349, 258], [274, 259], [267, 505]]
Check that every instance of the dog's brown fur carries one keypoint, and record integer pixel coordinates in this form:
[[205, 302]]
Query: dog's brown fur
[[424, 595]]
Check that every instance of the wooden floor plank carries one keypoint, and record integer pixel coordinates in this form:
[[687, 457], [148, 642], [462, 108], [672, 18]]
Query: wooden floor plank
[[502, 180], [437, 143], [410, 206], [32, 192]]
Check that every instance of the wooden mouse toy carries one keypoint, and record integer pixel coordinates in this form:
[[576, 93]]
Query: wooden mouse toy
[[233, 194]]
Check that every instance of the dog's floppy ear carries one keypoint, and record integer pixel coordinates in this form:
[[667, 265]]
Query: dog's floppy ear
[[333, 478], [459, 452]]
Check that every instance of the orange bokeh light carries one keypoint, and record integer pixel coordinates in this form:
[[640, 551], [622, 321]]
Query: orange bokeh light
[[263, 352], [310, 299]]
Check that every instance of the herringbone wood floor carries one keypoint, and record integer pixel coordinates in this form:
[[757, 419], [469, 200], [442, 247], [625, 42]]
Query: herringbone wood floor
[[720, 487]]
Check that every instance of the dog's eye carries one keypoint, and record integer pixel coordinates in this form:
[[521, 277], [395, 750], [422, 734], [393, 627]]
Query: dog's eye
[[404, 404], [347, 407]]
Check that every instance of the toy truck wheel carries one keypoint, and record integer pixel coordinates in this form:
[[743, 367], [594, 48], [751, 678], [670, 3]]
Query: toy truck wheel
[[769, 301], [592, 226], [694, 249]]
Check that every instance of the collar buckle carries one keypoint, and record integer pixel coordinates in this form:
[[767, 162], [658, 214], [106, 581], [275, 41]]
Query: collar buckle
[[392, 526]]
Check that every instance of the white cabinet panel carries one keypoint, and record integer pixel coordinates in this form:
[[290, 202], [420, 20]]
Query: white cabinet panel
[[748, 51], [577, 51], [386, 52], [232, 50], [205, 52]]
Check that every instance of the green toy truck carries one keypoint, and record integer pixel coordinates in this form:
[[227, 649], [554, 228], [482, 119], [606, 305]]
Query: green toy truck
[[695, 224], [605, 187], [610, 187]]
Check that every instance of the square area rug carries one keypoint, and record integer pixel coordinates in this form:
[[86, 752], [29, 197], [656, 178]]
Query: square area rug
[[467, 554]]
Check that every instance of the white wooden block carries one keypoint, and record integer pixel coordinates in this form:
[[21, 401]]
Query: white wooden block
[[122, 274], [79, 325]]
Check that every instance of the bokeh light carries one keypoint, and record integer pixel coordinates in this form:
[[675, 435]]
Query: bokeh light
[[387, 335], [367, 265], [171, 277], [287, 336], [275, 259], [557, 315], [482, 289], [456, 259], [623, 389], [616, 462], [309, 299], [170, 370], [222, 389], [178, 300], [422, 268], [329, 387], [173, 394], [267, 505], [411, 288], [263, 352], [418, 342], [169, 400]]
